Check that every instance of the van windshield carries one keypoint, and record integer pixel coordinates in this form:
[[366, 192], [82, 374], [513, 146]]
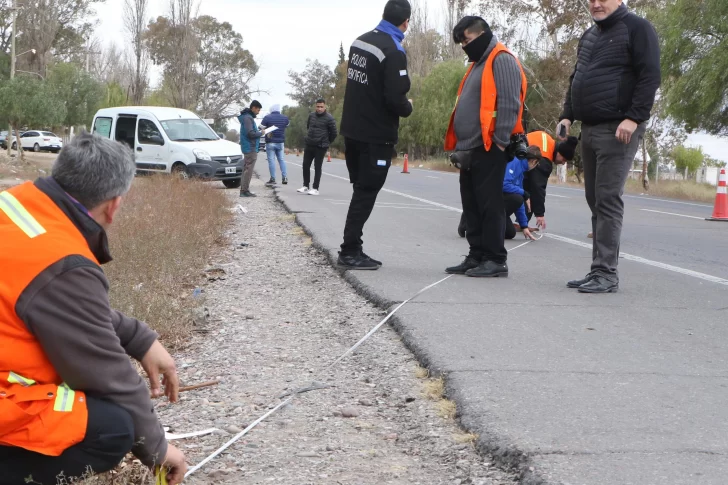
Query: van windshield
[[188, 130]]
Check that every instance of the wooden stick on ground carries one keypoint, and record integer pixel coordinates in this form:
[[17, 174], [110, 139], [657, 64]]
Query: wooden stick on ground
[[198, 386]]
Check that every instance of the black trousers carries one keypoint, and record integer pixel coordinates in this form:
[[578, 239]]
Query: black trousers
[[512, 202], [481, 191], [109, 437], [368, 166], [313, 154]]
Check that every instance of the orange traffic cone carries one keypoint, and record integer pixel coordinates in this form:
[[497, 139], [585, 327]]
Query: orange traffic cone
[[406, 164], [329, 157], [720, 209]]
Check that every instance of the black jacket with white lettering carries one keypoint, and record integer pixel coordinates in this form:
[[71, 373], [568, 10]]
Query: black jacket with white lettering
[[376, 90]]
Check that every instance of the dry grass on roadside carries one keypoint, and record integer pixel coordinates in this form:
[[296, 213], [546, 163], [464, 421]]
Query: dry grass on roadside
[[438, 164], [12, 169], [673, 189], [161, 241]]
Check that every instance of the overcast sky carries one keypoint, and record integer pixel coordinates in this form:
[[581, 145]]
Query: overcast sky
[[282, 34]]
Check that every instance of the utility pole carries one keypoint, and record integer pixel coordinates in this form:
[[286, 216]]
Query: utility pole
[[14, 13]]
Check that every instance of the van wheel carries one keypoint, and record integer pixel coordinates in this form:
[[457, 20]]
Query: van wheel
[[180, 170], [232, 183]]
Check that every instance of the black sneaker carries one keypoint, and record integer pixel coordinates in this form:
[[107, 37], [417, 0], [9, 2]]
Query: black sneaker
[[364, 255], [272, 181], [468, 264], [578, 283], [247, 193], [356, 262], [285, 180], [488, 269], [599, 284]]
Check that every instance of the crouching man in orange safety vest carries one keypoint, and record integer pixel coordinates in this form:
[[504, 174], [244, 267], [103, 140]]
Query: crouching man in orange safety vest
[[70, 400], [488, 111]]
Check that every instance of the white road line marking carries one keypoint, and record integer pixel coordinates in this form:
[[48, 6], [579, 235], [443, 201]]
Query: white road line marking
[[640, 197], [559, 196], [629, 257], [649, 262], [431, 177], [673, 214]]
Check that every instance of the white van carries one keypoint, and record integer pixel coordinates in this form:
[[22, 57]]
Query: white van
[[172, 140]]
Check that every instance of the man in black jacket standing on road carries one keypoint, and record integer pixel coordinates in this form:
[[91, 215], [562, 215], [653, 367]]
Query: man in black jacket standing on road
[[321, 133], [611, 92], [376, 97]]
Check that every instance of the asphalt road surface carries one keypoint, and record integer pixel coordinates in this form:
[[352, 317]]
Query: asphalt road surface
[[625, 388]]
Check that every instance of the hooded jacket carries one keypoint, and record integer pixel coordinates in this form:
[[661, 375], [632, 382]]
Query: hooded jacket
[[249, 133], [513, 184], [275, 118]]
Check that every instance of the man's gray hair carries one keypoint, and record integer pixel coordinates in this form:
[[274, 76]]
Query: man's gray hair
[[94, 169]]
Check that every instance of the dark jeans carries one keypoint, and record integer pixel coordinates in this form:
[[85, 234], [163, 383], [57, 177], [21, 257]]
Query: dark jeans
[[606, 164], [481, 191], [512, 202], [109, 437], [368, 166], [313, 154]]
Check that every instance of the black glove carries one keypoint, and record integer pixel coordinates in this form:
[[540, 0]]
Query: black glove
[[526, 196]]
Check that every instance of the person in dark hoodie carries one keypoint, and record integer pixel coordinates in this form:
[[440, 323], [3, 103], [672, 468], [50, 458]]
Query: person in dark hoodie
[[611, 91], [321, 133], [71, 400], [250, 137], [375, 100]]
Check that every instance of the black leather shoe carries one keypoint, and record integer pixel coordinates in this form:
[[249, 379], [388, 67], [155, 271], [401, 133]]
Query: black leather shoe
[[578, 283], [247, 193], [468, 264], [364, 255], [488, 269], [599, 284], [285, 180], [356, 262]]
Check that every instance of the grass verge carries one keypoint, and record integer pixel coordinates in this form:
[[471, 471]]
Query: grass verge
[[161, 242], [673, 189]]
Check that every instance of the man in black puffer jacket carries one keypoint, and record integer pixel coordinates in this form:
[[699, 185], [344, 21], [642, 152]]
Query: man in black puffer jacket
[[321, 133], [611, 92]]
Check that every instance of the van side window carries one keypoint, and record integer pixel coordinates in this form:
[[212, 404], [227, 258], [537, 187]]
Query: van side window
[[148, 133], [102, 126]]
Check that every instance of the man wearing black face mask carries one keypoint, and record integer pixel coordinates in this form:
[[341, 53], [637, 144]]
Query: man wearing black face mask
[[488, 112]]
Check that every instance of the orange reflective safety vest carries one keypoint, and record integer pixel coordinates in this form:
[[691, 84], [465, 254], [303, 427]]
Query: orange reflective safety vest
[[38, 411], [544, 142], [488, 98]]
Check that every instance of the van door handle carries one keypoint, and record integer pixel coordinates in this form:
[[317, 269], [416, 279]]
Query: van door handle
[[139, 149]]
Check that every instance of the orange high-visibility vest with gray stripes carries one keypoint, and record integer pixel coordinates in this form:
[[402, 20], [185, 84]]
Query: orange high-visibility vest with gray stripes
[[544, 142], [488, 100], [38, 411]]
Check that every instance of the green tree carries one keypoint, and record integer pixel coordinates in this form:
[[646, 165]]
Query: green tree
[[29, 102], [314, 82], [78, 91], [114, 95], [690, 158], [694, 37], [220, 69], [424, 131], [296, 131], [342, 55]]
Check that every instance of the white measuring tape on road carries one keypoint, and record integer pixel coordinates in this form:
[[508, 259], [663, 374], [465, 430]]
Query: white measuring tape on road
[[334, 363]]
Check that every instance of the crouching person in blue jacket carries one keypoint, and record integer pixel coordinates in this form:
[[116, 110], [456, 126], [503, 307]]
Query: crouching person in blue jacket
[[515, 198]]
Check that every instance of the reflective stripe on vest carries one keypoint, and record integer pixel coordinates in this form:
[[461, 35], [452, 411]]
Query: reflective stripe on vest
[[64, 399], [14, 378], [544, 143], [21, 217]]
